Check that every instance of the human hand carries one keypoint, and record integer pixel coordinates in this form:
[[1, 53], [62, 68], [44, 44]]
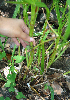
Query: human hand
[[15, 28]]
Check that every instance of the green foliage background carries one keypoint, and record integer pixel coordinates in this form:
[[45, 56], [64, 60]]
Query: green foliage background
[[60, 43]]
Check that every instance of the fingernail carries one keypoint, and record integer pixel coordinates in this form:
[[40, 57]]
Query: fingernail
[[31, 39]]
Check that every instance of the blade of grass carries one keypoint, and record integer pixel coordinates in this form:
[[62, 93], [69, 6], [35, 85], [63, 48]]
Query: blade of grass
[[42, 60], [17, 10], [62, 51], [26, 56], [39, 54]]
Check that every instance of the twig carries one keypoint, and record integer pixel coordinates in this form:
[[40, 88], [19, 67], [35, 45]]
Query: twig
[[51, 28], [40, 84], [36, 92]]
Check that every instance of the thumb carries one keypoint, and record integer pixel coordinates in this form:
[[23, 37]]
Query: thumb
[[27, 38]]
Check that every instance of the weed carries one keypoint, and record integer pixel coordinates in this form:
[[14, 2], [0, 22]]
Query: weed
[[59, 42]]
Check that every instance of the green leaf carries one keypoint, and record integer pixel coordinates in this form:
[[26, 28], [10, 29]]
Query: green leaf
[[37, 3], [40, 4], [37, 34], [17, 9], [11, 77], [19, 58], [67, 32], [51, 89], [12, 69], [68, 1], [52, 92], [61, 9], [42, 60], [3, 54], [20, 95], [29, 2], [24, 76], [2, 35], [46, 87], [1, 98], [60, 52], [13, 84], [39, 54], [11, 89], [66, 73], [46, 33], [36, 69], [7, 98], [7, 84], [25, 2]]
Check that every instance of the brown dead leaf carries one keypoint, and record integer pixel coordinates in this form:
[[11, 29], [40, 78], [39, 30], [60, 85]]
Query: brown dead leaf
[[68, 84], [57, 88], [55, 75]]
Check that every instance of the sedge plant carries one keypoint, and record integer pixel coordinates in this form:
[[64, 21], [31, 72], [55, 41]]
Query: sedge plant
[[60, 42]]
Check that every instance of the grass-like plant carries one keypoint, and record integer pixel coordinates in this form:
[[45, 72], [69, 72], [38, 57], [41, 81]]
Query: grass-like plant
[[59, 44]]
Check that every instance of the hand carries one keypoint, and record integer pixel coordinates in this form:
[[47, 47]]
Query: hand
[[15, 28]]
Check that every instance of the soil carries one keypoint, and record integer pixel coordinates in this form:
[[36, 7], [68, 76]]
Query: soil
[[33, 85]]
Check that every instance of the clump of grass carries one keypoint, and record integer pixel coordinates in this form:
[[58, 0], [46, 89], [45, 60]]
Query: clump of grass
[[59, 42]]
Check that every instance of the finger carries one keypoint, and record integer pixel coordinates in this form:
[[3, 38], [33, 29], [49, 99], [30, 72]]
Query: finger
[[16, 41], [25, 29], [27, 38], [32, 40], [22, 42]]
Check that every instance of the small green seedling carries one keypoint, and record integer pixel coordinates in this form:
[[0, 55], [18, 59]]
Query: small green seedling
[[51, 90]]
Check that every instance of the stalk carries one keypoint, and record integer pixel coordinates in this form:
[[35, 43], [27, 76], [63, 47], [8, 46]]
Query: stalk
[[34, 11]]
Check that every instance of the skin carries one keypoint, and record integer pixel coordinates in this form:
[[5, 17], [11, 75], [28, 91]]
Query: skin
[[15, 28]]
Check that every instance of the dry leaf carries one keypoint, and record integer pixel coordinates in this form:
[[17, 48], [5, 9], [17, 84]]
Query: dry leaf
[[57, 88]]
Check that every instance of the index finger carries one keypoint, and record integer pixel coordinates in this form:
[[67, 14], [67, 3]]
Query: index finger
[[25, 29]]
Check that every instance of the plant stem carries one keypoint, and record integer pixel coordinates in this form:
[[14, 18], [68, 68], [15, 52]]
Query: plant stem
[[2, 78], [34, 11]]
